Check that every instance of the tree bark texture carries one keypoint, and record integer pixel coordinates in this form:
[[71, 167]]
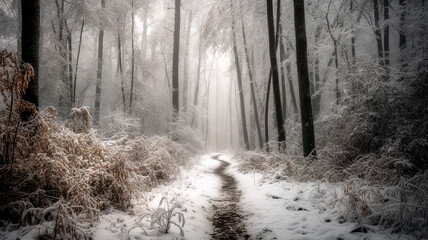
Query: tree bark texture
[[308, 134]]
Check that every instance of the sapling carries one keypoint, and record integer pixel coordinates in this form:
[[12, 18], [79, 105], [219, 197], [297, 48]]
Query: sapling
[[162, 218]]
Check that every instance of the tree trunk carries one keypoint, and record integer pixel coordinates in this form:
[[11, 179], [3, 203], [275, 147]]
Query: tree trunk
[[377, 32], [99, 72], [207, 100], [253, 94], [230, 115], [64, 98], [402, 41], [316, 97], [70, 67], [132, 58], [19, 29], [302, 73], [144, 40], [175, 60], [30, 40], [239, 78], [336, 64], [290, 82], [275, 75], [267, 110], [282, 59], [198, 79], [277, 38], [351, 8], [386, 36], [119, 63], [336, 58], [77, 63], [186, 79]]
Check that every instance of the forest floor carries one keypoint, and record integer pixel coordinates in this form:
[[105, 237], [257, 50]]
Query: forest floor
[[219, 202]]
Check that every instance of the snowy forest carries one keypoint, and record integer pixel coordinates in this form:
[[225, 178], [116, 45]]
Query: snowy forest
[[214, 119]]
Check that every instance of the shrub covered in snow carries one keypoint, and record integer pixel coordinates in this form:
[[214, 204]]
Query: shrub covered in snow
[[118, 125], [68, 177], [162, 218], [65, 174], [184, 134], [374, 144], [79, 120]]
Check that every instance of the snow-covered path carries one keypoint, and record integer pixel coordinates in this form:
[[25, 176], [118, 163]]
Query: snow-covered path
[[269, 210], [219, 202], [227, 216]]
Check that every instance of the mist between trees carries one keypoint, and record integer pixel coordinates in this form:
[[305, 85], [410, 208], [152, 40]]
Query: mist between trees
[[340, 82]]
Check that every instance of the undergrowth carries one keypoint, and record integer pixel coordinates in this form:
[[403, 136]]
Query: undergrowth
[[162, 218], [66, 174], [374, 145]]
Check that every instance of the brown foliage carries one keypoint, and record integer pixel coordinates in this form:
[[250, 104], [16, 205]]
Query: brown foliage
[[64, 173]]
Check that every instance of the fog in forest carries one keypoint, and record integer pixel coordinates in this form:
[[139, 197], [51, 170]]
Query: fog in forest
[[106, 101]]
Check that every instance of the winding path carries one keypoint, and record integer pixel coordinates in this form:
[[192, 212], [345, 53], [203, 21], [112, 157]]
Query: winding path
[[227, 217]]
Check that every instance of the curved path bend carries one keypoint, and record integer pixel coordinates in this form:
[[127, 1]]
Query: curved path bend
[[227, 217]]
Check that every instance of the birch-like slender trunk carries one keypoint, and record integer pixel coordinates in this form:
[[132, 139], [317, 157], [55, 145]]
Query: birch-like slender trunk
[[239, 78], [175, 60], [253, 94], [132, 58], [99, 72]]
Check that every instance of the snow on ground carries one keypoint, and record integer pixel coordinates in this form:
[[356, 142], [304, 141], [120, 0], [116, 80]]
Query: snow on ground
[[272, 210], [295, 210], [194, 190]]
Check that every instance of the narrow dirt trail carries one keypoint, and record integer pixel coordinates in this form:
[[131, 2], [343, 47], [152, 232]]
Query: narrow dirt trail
[[227, 217]]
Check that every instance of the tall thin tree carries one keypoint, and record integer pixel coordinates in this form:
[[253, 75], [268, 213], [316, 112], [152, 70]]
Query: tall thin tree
[[186, 79], [30, 40], [120, 70], [308, 134], [378, 32], [281, 62], [316, 98], [175, 60], [290, 80], [386, 36], [402, 40], [77, 63], [65, 96], [250, 76], [99, 71], [273, 42], [239, 78], [132, 58], [351, 9]]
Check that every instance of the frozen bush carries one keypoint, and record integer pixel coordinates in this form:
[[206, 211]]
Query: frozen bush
[[79, 120], [67, 178], [117, 125], [184, 134]]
